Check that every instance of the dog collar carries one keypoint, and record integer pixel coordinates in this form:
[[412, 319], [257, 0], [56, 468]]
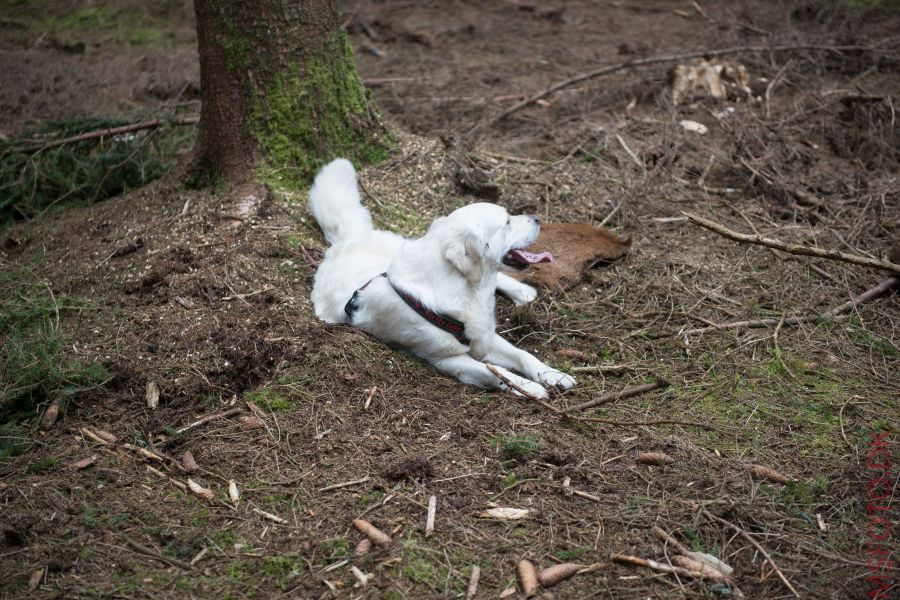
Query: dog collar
[[439, 320]]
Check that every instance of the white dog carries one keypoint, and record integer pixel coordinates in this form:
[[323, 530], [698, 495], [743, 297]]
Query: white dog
[[432, 296]]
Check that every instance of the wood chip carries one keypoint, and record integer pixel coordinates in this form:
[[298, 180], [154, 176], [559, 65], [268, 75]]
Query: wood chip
[[35, 580], [50, 415], [510, 591], [361, 577], [473, 582], [527, 578], [233, 492], [429, 520], [201, 491], [553, 575], [655, 458], [378, 537], [84, 463], [694, 126], [505, 513], [151, 394], [188, 462], [765, 473]]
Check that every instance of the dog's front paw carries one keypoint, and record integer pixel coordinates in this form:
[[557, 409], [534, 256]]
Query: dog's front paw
[[531, 388], [557, 379], [523, 294]]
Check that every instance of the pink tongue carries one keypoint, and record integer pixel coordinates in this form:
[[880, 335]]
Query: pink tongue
[[531, 258]]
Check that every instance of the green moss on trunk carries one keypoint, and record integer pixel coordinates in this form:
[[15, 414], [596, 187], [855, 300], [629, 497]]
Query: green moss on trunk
[[306, 119]]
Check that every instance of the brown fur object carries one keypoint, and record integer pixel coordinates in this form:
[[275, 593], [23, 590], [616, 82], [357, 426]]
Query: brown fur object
[[576, 247]]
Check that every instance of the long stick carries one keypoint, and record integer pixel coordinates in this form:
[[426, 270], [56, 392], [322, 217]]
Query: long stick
[[882, 287], [90, 135], [641, 62], [626, 393], [793, 248]]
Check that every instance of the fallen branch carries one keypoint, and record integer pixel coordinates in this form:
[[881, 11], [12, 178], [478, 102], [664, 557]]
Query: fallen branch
[[653, 60], [612, 396], [793, 248], [756, 545], [835, 313], [91, 135]]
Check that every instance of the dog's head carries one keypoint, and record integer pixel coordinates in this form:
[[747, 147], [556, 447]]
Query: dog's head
[[481, 238]]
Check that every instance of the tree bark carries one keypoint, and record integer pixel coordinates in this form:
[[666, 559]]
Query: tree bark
[[280, 93]]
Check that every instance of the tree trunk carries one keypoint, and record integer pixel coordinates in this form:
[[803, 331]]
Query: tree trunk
[[280, 91]]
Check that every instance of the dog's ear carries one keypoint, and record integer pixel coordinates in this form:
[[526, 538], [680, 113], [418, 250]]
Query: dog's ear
[[465, 251]]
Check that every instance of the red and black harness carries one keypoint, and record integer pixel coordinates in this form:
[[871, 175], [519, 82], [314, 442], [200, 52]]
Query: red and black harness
[[440, 320]]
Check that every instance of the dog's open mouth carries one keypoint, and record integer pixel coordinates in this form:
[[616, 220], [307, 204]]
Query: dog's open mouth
[[522, 259]]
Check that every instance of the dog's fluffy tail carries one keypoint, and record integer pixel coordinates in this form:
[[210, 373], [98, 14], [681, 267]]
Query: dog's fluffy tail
[[334, 202]]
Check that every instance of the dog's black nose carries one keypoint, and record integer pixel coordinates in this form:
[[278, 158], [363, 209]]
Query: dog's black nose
[[536, 219]]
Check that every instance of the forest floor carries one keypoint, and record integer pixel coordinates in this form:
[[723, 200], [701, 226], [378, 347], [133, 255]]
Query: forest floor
[[162, 287]]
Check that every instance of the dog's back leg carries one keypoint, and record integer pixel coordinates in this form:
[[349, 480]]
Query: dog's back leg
[[468, 370]]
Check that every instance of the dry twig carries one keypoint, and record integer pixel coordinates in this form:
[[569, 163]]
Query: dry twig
[[91, 135], [204, 420], [612, 396], [793, 248]]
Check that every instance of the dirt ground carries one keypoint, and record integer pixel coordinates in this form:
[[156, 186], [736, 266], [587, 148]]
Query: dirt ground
[[165, 287]]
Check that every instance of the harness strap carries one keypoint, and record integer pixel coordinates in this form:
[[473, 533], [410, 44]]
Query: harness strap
[[439, 320]]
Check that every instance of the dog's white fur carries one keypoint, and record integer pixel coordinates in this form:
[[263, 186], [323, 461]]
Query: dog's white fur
[[453, 269]]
